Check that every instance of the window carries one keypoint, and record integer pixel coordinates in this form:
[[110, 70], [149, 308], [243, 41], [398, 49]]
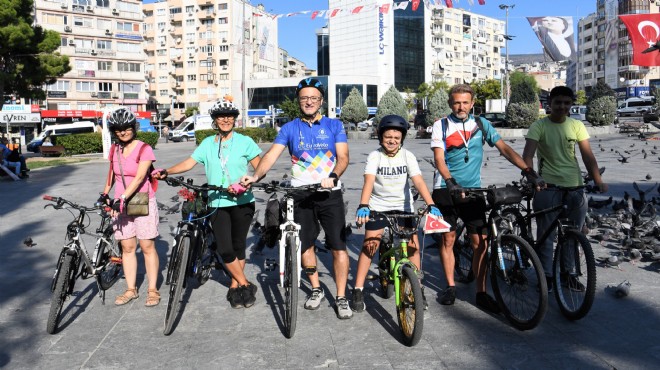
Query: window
[[161, 25], [128, 87], [222, 20], [129, 47], [104, 65], [190, 8], [207, 63], [82, 22], [103, 3], [163, 79], [192, 77], [223, 62], [190, 22], [206, 49], [223, 76], [59, 86], [128, 67], [191, 64], [105, 86], [222, 6], [86, 106], [135, 7], [103, 24], [161, 52], [162, 66], [162, 92], [84, 86], [104, 44], [192, 91], [48, 18], [223, 48], [176, 10], [128, 26]]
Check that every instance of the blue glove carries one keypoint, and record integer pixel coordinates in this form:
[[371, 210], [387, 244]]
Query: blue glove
[[363, 211], [432, 209]]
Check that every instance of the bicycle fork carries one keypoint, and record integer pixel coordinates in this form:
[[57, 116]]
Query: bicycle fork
[[289, 228]]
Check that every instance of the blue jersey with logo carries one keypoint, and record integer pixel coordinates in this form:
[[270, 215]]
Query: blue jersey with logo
[[312, 148]]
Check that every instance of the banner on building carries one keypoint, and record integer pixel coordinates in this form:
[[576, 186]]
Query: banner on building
[[644, 33], [556, 35]]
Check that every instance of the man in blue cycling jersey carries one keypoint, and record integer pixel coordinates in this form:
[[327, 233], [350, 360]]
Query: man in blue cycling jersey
[[319, 154], [457, 143]]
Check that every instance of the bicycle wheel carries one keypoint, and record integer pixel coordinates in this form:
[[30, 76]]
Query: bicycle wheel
[[574, 262], [61, 290], [410, 310], [463, 253], [518, 282], [109, 273], [386, 285], [290, 286], [177, 282]]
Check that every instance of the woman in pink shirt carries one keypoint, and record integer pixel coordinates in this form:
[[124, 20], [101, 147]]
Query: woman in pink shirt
[[131, 160]]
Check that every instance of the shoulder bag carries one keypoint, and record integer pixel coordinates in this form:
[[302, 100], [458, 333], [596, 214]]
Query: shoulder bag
[[138, 203]]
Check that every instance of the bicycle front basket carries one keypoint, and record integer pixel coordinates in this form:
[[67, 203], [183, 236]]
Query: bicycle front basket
[[198, 208], [503, 196]]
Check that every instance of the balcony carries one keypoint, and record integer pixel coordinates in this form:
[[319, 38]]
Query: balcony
[[437, 32], [437, 45], [437, 72]]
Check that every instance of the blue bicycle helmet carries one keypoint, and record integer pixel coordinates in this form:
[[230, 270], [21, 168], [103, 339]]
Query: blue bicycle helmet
[[310, 82]]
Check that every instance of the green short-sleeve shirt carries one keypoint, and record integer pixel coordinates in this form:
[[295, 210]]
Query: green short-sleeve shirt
[[557, 161], [237, 153]]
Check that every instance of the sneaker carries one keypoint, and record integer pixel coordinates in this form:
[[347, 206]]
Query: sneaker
[[574, 284], [357, 303], [253, 288], [235, 298], [343, 310], [247, 296], [448, 296], [314, 300], [487, 303]]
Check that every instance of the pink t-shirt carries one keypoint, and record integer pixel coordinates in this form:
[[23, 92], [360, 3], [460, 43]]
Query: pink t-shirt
[[130, 166]]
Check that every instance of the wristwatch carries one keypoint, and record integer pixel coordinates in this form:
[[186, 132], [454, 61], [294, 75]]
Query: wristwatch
[[123, 197]]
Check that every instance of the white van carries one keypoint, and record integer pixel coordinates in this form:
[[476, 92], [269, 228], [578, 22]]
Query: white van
[[635, 106], [80, 127], [186, 130], [579, 112]]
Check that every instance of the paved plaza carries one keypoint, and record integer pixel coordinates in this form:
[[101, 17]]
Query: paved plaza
[[616, 334]]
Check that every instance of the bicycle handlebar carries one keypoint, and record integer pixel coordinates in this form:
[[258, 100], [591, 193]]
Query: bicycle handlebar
[[275, 186], [60, 202], [178, 181]]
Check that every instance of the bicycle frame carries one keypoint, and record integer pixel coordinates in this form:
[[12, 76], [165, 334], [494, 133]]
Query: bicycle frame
[[289, 227]]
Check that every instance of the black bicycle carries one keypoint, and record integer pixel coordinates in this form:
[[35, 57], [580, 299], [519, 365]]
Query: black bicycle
[[573, 261], [194, 251], [75, 262], [516, 274]]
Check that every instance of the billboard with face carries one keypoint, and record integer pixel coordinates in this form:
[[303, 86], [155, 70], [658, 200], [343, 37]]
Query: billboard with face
[[556, 35]]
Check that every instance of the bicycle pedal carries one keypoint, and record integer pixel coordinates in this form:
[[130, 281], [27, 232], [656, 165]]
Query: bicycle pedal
[[116, 260]]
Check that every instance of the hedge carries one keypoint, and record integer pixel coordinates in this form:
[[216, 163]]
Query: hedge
[[259, 135], [93, 143]]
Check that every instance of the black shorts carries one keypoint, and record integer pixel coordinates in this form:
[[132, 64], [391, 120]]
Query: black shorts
[[378, 221], [471, 211], [321, 209]]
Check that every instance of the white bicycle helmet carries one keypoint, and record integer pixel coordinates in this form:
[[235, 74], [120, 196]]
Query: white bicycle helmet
[[223, 108]]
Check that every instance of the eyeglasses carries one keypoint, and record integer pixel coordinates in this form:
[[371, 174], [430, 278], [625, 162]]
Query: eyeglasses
[[313, 99], [225, 118]]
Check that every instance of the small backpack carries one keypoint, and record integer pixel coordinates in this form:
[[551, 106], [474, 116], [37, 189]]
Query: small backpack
[[272, 219]]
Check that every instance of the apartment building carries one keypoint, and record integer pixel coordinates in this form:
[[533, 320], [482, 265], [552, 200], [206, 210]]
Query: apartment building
[[200, 50], [104, 42]]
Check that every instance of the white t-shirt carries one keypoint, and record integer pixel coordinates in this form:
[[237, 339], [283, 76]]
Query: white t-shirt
[[392, 189]]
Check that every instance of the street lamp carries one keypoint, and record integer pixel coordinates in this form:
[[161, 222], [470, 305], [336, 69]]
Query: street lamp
[[507, 37]]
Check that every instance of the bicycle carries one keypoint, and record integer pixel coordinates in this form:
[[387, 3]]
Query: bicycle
[[194, 251], [289, 249], [573, 257], [398, 276], [516, 274], [74, 260]]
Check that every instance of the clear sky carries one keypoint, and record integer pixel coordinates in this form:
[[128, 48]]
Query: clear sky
[[297, 33]]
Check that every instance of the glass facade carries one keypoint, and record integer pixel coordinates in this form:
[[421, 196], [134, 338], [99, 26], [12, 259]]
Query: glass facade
[[323, 54], [409, 46], [266, 96]]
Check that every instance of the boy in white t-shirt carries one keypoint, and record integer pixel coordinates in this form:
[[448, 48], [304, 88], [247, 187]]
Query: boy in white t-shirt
[[386, 189]]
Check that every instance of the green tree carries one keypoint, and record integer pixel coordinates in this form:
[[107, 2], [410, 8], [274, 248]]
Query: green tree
[[438, 106], [438, 85], [191, 111], [354, 109], [518, 78], [290, 108], [521, 115], [601, 111], [485, 90], [601, 89], [28, 60], [423, 91], [581, 98], [523, 92], [409, 98], [391, 103]]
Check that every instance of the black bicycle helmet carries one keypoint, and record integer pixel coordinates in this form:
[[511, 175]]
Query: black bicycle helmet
[[390, 122], [223, 108], [121, 119], [310, 82]]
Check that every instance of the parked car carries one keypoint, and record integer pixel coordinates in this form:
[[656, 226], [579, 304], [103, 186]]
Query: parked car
[[578, 112], [635, 106], [350, 126], [362, 126], [651, 115], [496, 119]]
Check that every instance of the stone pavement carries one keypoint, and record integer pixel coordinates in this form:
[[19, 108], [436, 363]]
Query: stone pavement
[[617, 333]]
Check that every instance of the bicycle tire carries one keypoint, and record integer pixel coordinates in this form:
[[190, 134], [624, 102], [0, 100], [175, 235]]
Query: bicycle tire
[[290, 286], [177, 283], [463, 254], [410, 311], [574, 304], [386, 285], [520, 289], [60, 292], [109, 273]]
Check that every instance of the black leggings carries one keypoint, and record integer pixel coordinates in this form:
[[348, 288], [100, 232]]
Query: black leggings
[[230, 227]]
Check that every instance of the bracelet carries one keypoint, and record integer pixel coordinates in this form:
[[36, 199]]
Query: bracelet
[[333, 175], [363, 206]]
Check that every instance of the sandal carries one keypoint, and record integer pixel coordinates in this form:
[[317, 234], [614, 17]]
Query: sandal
[[129, 295], [153, 298]]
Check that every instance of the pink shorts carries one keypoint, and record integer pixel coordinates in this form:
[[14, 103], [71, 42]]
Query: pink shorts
[[142, 227]]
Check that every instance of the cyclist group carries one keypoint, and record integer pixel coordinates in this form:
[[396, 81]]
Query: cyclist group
[[319, 154]]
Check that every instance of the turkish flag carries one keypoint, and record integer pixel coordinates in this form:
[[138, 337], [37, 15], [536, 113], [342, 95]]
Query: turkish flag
[[644, 32], [357, 9], [482, 2], [334, 12], [315, 13], [449, 4], [415, 5], [385, 8]]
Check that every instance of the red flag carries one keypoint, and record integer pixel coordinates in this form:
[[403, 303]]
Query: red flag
[[415, 5], [482, 2], [449, 4], [334, 12], [357, 9], [315, 13], [644, 33], [385, 8]]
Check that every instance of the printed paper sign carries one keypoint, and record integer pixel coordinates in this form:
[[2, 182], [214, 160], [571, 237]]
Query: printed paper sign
[[434, 224]]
